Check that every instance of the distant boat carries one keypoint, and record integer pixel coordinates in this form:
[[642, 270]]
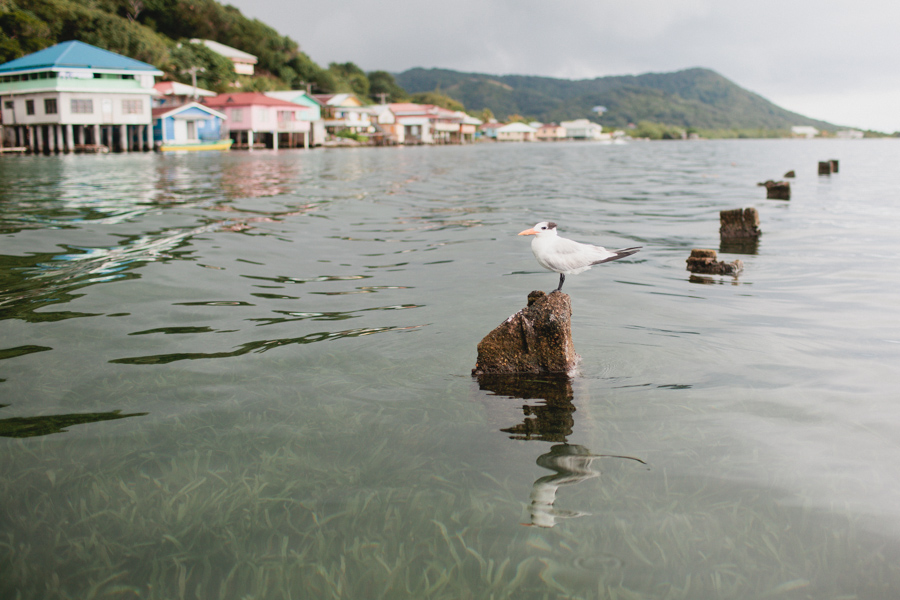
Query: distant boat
[[195, 145]]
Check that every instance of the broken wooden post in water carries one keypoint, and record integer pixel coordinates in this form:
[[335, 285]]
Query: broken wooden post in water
[[537, 339], [704, 261], [777, 190], [740, 223], [834, 165], [824, 167], [739, 231]]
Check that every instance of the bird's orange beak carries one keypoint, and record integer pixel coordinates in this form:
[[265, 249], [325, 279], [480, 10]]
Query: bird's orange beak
[[528, 232]]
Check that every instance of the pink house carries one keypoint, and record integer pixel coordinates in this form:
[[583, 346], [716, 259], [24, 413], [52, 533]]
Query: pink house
[[254, 120], [430, 124]]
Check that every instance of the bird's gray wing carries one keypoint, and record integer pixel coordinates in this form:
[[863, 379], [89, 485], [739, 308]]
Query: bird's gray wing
[[617, 254]]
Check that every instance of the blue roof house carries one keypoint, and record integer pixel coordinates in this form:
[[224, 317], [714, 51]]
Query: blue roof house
[[75, 96]]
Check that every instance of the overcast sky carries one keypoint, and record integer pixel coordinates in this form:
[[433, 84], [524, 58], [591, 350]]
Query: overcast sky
[[834, 60]]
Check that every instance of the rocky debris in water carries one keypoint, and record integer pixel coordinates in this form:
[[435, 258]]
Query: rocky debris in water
[[777, 190], [740, 223], [704, 261], [824, 167], [537, 339], [790, 175]]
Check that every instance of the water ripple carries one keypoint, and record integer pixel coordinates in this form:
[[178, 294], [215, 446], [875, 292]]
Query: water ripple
[[260, 346]]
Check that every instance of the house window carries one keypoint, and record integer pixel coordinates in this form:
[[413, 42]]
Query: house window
[[132, 107], [8, 104], [237, 115], [50, 106], [29, 107], [84, 107]]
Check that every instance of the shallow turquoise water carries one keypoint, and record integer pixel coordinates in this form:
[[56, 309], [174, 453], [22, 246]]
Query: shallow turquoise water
[[247, 375]]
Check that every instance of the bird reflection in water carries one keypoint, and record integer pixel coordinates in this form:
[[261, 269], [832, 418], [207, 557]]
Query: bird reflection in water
[[550, 421], [571, 464]]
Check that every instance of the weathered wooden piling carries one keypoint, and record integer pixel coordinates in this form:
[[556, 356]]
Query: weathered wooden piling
[[704, 261], [777, 190], [824, 167], [739, 231], [834, 165], [739, 224], [537, 339]]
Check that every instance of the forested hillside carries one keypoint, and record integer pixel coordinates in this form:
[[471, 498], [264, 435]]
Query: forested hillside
[[695, 98]]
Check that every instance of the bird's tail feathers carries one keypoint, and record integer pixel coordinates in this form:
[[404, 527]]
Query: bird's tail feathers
[[619, 254]]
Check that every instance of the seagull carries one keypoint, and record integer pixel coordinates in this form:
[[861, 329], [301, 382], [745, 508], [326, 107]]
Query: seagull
[[568, 257]]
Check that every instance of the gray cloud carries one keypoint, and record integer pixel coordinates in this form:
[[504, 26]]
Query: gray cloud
[[831, 59]]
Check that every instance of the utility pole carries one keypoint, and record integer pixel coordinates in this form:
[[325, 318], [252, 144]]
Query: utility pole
[[193, 71]]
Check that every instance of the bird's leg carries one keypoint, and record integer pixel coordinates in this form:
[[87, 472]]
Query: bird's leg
[[562, 279]]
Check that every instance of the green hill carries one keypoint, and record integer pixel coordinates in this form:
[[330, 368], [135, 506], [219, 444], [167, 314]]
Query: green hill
[[150, 31], [694, 98]]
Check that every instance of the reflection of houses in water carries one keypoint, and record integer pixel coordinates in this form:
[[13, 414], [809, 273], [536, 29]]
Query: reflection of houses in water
[[261, 177], [551, 421]]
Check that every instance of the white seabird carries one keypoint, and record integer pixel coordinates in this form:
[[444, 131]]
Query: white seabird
[[568, 257]]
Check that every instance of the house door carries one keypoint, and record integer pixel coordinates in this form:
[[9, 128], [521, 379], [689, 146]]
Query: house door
[[107, 110], [192, 130], [181, 131]]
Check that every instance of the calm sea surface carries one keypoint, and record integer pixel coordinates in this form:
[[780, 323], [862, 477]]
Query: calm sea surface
[[247, 375]]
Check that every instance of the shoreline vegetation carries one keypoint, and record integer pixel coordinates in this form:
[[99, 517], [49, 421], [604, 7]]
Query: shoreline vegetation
[[695, 103]]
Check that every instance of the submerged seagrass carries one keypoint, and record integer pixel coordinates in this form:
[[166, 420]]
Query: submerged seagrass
[[298, 327], [537, 339]]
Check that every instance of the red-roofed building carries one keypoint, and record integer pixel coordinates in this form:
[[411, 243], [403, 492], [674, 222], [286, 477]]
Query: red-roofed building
[[255, 120]]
